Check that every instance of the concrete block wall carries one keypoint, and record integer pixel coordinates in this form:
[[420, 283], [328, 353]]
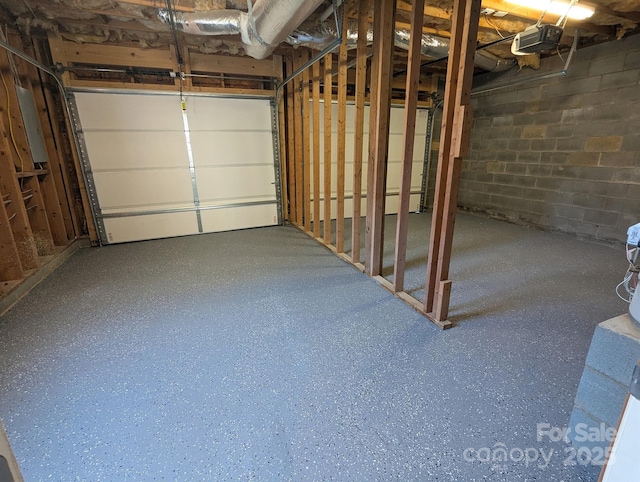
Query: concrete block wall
[[561, 153], [613, 355]]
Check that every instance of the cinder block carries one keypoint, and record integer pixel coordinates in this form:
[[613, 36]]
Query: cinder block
[[571, 144], [559, 130], [580, 86], [620, 79], [583, 158], [589, 201], [619, 159], [546, 118], [543, 144], [607, 64], [580, 423], [568, 212], [515, 168], [547, 157], [505, 120], [631, 175], [573, 116], [523, 120], [632, 61], [601, 218], [528, 95], [528, 156], [529, 132], [539, 170], [615, 349], [631, 143], [601, 396], [604, 144], [612, 233]]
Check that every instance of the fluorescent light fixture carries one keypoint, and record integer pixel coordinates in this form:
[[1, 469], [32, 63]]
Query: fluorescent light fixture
[[557, 7]]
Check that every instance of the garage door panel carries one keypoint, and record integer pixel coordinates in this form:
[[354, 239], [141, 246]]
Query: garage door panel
[[212, 148], [215, 220], [129, 112], [162, 187], [152, 226], [220, 114], [235, 183], [115, 150]]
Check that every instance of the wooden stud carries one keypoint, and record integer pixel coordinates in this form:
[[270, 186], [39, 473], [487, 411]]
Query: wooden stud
[[378, 156], [297, 123], [328, 78], [410, 110], [361, 81], [342, 135], [316, 149], [291, 171], [21, 153], [18, 217], [10, 267], [52, 204], [306, 142], [454, 143]]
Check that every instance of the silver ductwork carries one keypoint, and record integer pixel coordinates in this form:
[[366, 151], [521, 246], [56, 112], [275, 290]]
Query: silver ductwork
[[262, 28], [322, 34]]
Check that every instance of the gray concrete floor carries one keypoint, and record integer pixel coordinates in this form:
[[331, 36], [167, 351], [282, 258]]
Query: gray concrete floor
[[258, 355]]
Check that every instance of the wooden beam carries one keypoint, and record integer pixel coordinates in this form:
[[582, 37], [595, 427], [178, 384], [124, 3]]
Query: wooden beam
[[342, 138], [376, 190], [316, 149], [297, 124], [361, 84], [306, 142], [98, 54], [410, 110], [328, 78], [454, 143], [231, 65], [291, 170]]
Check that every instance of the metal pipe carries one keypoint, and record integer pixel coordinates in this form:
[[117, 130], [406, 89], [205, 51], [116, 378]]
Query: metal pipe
[[327, 50]]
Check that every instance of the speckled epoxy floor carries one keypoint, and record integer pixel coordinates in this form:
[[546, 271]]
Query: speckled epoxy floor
[[258, 355]]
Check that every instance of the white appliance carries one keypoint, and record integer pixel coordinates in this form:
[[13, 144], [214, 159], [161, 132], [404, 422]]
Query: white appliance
[[630, 281]]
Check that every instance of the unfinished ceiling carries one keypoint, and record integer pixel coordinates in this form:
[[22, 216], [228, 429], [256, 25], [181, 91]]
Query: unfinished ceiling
[[136, 22]]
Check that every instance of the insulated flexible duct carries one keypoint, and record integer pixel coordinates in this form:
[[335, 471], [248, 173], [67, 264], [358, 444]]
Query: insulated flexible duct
[[322, 34], [262, 28]]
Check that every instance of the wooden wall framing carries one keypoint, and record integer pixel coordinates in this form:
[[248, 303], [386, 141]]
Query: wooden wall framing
[[453, 147], [40, 210]]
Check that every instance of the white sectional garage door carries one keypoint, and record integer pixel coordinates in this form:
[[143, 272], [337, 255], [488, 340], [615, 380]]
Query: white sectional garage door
[[159, 171]]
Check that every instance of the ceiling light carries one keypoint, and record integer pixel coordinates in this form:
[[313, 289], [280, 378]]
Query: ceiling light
[[556, 7]]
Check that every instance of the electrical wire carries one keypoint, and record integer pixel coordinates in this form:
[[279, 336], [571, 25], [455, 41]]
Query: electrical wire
[[491, 24], [13, 138]]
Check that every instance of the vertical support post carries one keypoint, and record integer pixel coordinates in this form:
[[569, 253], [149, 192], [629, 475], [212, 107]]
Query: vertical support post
[[291, 155], [10, 268], [316, 149], [379, 132], [328, 60], [361, 83], [454, 143], [306, 144], [410, 107], [297, 123], [342, 134]]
